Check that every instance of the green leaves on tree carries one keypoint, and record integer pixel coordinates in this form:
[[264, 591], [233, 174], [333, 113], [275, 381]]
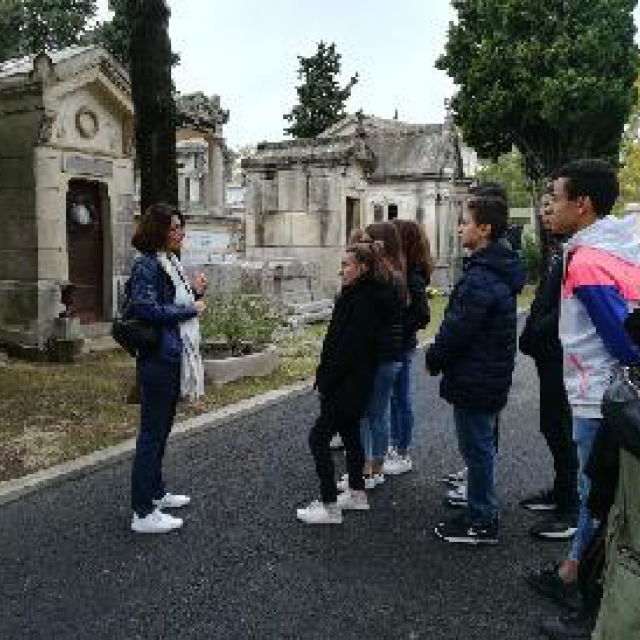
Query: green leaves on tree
[[321, 100]]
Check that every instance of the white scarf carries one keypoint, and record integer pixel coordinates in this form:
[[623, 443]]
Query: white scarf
[[191, 371]]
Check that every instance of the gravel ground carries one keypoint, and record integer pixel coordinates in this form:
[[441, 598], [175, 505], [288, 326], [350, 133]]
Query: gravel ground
[[243, 567]]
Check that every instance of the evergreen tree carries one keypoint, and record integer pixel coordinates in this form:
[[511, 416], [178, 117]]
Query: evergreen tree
[[151, 60], [321, 100], [33, 26]]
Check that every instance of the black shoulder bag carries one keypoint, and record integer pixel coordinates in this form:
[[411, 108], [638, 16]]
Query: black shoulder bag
[[134, 335]]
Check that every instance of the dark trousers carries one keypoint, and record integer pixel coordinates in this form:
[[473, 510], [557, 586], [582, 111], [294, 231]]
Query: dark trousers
[[160, 387], [556, 428], [331, 421]]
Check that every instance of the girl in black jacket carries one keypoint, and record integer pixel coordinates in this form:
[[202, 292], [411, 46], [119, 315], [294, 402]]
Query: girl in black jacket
[[419, 266], [349, 357]]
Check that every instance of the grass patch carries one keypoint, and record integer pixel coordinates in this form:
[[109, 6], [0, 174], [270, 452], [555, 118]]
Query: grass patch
[[53, 413]]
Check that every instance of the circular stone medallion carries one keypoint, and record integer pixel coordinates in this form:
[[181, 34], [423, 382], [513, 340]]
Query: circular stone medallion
[[86, 123]]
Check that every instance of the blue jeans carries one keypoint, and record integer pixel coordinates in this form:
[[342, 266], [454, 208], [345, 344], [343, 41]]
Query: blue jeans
[[402, 419], [584, 434], [160, 387], [476, 440], [375, 422]]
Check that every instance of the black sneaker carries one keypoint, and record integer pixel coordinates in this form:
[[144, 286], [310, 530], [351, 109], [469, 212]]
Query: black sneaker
[[542, 501], [463, 531], [577, 624], [559, 526], [548, 583]]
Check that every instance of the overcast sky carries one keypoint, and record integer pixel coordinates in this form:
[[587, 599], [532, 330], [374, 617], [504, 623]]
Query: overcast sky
[[246, 51]]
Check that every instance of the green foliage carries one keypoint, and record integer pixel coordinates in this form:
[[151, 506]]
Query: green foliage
[[532, 258], [115, 34], [554, 79], [240, 319], [32, 26], [321, 101], [508, 170]]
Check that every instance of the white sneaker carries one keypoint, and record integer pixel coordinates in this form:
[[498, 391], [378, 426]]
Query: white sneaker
[[319, 513], [336, 442], [343, 483], [371, 482], [155, 522], [397, 465], [353, 501], [172, 501]]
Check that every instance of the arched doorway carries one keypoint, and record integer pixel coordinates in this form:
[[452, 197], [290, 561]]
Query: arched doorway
[[85, 246]]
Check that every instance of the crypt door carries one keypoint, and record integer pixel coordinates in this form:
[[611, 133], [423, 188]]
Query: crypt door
[[353, 216], [85, 250]]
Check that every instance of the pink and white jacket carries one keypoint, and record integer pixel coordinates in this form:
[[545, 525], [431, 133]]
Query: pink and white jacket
[[601, 285]]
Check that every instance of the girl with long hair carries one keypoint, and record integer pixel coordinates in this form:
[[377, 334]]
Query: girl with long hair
[[375, 425], [419, 266]]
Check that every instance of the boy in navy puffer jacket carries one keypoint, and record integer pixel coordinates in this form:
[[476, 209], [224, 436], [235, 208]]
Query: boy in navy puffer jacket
[[475, 350]]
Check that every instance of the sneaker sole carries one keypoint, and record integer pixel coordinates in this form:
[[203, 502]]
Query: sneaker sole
[[356, 508], [456, 504], [307, 521], [552, 535], [465, 540], [156, 531], [539, 507]]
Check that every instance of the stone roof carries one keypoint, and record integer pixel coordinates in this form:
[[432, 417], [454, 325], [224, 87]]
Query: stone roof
[[305, 151], [61, 65], [371, 125], [407, 154], [395, 150], [24, 65]]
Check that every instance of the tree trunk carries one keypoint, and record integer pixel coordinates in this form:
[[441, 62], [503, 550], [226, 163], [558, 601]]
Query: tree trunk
[[153, 102]]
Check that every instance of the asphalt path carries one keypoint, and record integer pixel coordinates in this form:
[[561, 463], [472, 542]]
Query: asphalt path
[[243, 567]]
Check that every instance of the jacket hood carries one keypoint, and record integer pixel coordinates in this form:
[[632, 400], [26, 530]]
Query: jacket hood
[[617, 236], [501, 260]]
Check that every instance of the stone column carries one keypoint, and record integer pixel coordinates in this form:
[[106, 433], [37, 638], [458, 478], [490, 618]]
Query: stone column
[[215, 188]]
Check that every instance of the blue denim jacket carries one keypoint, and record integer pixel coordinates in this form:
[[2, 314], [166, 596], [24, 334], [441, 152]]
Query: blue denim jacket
[[152, 299]]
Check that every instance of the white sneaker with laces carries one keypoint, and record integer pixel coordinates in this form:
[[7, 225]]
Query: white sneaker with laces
[[172, 501], [155, 522], [343, 483], [319, 513], [396, 466], [353, 501]]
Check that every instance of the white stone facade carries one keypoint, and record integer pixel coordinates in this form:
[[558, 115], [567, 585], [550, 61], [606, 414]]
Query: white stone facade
[[66, 181]]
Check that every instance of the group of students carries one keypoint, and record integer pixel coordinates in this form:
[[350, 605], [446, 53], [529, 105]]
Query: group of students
[[576, 335], [364, 373]]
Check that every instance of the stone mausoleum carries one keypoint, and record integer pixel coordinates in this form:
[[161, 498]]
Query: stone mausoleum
[[304, 197], [66, 190]]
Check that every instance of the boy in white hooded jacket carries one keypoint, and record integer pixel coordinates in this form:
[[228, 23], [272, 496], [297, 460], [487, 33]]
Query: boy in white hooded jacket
[[601, 285]]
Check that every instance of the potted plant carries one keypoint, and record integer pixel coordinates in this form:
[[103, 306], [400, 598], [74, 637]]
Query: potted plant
[[237, 331]]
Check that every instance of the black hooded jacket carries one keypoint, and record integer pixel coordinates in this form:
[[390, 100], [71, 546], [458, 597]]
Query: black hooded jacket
[[540, 338], [357, 339], [476, 344]]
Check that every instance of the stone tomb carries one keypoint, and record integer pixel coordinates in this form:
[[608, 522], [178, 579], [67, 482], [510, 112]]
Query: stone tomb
[[66, 190]]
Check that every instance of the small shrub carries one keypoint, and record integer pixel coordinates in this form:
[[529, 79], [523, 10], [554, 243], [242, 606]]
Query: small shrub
[[532, 257], [243, 321]]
